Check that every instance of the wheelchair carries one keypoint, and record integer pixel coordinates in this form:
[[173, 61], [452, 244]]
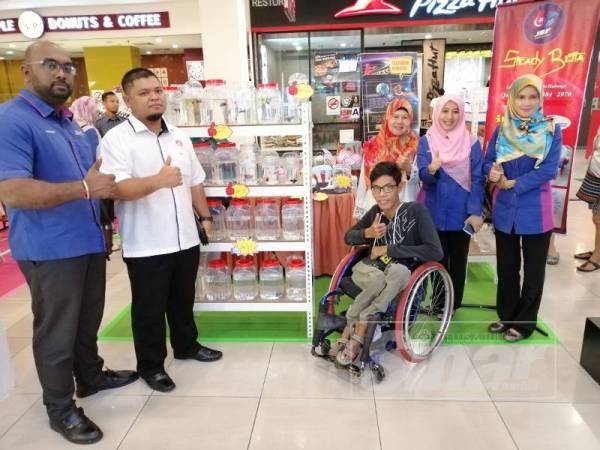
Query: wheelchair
[[415, 323]]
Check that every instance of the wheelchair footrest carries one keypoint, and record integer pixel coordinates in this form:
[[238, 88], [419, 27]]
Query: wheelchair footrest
[[331, 322]]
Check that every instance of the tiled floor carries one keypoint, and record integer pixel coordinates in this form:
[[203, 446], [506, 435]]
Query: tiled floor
[[276, 396]]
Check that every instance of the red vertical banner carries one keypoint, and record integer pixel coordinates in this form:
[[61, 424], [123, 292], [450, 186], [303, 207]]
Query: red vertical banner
[[554, 40], [595, 117]]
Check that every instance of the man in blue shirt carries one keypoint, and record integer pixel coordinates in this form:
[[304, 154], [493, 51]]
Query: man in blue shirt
[[51, 183]]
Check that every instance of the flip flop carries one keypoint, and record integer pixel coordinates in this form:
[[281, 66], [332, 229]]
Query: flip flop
[[513, 335], [584, 255], [589, 261], [552, 260]]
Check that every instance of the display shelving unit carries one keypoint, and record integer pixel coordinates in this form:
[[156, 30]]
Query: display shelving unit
[[303, 129]]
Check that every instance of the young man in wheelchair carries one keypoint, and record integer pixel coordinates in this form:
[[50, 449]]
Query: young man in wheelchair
[[399, 236]]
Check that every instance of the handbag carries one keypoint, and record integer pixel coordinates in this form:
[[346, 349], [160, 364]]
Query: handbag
[[589, 191]]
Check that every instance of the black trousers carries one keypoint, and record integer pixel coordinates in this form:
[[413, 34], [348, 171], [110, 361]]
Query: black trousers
[[456, 253], [518, 305], [163, 285], [67, 300]]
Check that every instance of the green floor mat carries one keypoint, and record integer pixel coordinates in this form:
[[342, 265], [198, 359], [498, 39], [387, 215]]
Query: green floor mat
[[469, 325]]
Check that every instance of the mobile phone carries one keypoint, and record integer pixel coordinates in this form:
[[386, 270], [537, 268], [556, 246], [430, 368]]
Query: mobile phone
[[468, 228]]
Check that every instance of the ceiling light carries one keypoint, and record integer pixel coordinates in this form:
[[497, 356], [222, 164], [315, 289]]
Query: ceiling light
[[1, 58], [298, 48], [13, 46], [295, 43], [9, 52], [148, 52], [343, 44], [158, 39], [428, 36], [175, 45]]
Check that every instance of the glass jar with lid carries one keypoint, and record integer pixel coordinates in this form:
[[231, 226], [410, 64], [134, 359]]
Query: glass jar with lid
[[218, 281], [226, 163], [295, 278], [269, 167], [242, 105], [248, 164], [238, 220], [266, 219], [206, 156], [215, 104], [271, 282], [217, 212], [292, 219], [268, 103], [245, 287], [191, 104], [173, 111]]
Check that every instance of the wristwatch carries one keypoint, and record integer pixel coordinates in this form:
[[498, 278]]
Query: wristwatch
[[205, 218]]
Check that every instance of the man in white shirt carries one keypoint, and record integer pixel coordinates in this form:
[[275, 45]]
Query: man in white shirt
[[159, 185]]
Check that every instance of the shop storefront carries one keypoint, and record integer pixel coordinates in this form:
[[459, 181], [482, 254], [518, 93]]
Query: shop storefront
[[453, 41], [106, 41]]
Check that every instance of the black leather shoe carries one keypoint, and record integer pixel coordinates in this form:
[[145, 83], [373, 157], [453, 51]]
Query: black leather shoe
[[160, 382], [76, 427], [203, 354], [110, 379]]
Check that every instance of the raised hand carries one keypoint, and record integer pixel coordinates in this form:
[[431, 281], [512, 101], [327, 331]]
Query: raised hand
[[376, 230], [100, 185], [435, 164], [495, 173], [170, 176]]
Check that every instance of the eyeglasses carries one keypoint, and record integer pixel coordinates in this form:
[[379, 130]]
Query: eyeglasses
[[385, 189], [54, 66]]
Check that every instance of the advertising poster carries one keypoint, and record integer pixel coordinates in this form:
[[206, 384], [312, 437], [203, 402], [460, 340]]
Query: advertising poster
[[550, 40], [595, 117], [386, 76], [434, 51]]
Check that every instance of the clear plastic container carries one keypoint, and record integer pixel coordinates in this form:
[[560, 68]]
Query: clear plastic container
[[292, 219], [218, 281], [248, 164], [266, 219], [245, 287], [217, 212], [191, 104], [271, 282], [268, 103], [242, 105], [226, 163], [201, 277], [173, 112], [215, 104], [292, 168], [295, 279], [206, 156], [238, 220], [269, 167]]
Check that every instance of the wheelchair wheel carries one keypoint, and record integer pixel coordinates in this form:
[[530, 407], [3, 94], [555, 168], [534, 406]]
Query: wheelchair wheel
[[429, 293]]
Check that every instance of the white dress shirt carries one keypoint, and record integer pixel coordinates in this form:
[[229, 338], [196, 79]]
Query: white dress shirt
[[162, 222]]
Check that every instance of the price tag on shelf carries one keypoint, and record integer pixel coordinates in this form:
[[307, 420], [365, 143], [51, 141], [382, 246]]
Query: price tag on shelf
[[219, 132], [244, 247], [320, 196], [237, 190]]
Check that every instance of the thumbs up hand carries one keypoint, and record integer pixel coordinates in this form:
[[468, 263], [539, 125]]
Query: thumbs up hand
[[170, 176], [100, 185], [495, 173]]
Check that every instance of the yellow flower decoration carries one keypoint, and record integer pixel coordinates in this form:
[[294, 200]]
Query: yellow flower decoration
[[320, 196], [343, 181]]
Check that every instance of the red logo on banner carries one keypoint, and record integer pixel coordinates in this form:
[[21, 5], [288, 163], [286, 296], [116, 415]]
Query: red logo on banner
[[368, 7], [544, 23]]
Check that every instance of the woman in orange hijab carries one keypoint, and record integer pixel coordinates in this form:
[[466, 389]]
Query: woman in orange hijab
[[395, 141]]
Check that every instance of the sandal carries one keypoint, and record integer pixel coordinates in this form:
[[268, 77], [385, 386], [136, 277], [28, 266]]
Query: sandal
[[497, 327], [595, 266], [584, 255], [338, 347], [347, 356], [552, 260], [513, 335]]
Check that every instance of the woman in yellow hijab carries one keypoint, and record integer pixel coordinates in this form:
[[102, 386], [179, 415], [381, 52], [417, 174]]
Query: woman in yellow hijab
[[522, 159]]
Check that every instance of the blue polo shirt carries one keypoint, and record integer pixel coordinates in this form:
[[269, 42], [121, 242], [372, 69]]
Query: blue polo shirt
[[40, 143]]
